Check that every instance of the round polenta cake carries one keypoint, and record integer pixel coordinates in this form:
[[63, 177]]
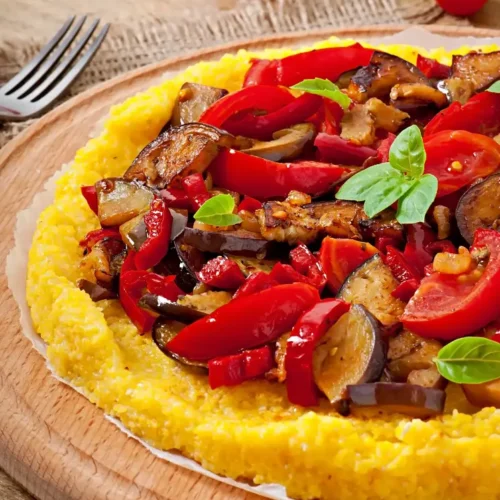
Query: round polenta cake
[[250, 431]]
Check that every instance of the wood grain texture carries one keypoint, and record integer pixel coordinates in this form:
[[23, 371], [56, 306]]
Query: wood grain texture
[[52, 440]]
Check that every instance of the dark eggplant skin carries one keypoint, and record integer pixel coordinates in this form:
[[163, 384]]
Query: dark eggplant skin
[[238, 242], [380, 397], [96, 291], [168, 309], [165, 330], [479, 207], [179, 223]]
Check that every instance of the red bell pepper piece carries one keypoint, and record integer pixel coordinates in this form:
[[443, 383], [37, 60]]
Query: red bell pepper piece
[[339, 257], [406, 290], [235, 369], [97, 235], [128, 263], [428, 269], [266, 98], [480, 114], [159, 226], [264, 179], [385, 147], [402, 269], [382, 242], [256, 282], [249, 204], [303, 261], [244, 323], [196, 190], [221, 272], [418, 238], [309, 329], [328, 117], [90, 194], [432, 68], [448, 306], [263, 126], [438, 246], [284, 274], [322, 63], [333, 148], [175, 198], [132, 286]]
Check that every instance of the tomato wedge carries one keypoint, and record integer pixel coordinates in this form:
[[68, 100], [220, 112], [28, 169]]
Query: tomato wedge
[[340, 256], [450, 306], [457, 158]]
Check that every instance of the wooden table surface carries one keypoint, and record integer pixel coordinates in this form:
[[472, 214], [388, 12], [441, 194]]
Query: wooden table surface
[[46, 15]]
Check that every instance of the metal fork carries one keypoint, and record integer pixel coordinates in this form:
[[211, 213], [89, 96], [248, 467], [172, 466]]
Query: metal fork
[[46, 77]]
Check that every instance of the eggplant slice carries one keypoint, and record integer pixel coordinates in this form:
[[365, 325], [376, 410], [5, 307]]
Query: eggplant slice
[[119, 200], [471, 73], [169, 309], [371, 400], [165, 330], [479, 207], [371, 285], [177, 153], [206, 302], [238, 242], [192, 101], [98, 266], [351, 352], [383, 72]]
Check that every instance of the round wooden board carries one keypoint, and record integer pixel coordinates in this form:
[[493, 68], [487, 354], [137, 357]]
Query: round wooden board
[[52, 440]]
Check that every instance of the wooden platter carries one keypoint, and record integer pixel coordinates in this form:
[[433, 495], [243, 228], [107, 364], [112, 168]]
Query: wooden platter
[[52, 440]]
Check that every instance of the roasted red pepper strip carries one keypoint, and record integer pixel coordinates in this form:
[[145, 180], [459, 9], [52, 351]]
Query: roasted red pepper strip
[[384, 148], [402, 269], [432, 68], [328, 117], [159, 226], [128, 263], [334, 149], [221, 272], [249, 204], [284, 273], [134, 283], [90, 194], [309, 329], [97, 235], [175, 198], [303, 261], [263, 126], [448, 306], [256, 282], [406, 290], [244, 323], [266, 98], [419, 236], [382, 242], [480, 114], [435, 247], [322, 63], [196, 190], [264, 179], [235, 369]]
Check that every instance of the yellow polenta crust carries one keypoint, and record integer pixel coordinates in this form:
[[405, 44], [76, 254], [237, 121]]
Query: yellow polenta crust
[[248, 431]]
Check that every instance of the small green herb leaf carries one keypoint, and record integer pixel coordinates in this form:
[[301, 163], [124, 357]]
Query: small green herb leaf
[[218, 211], [495, 87], [407, 152], [358, 186], [324, 88], [385, 193], [414, 204], [470, 360]]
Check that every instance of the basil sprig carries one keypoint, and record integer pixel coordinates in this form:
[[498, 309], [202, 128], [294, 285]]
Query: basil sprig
[[218, 211], [470, 360], [402, 180], [324, 88], [495, 87]]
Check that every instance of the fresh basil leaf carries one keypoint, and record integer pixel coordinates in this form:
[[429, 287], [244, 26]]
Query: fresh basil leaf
[[358, 186], [470, 360], [414, 204], [407, 152], [386, 192], [324, 88], [495, 87], [218, 211]]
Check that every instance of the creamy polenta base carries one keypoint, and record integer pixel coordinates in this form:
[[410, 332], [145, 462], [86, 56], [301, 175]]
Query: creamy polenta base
[[249, 431]]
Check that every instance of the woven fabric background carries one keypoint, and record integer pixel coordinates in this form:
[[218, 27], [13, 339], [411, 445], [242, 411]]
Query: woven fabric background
[[146, 31]]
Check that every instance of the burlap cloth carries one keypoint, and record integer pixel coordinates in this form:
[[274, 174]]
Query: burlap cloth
[[145, 31]]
